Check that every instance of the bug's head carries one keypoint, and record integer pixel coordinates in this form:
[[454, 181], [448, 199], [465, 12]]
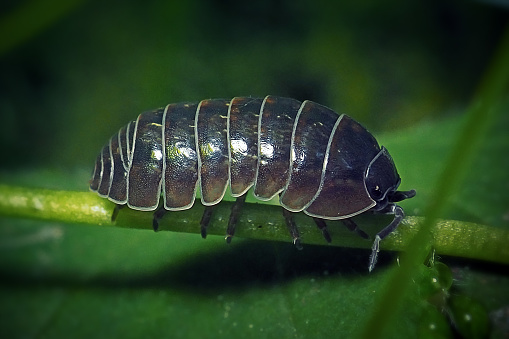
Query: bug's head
[[382, 181]]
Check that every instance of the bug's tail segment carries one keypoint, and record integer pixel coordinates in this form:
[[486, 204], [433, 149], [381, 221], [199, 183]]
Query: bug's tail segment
[[96, 176], [145, 173]]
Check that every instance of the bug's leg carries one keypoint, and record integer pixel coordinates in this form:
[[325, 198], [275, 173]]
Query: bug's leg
[[322, 225], [292, 227], [398, 216], [205, 220], [234, 217], [115, 212], [352, 226], [158, 215]]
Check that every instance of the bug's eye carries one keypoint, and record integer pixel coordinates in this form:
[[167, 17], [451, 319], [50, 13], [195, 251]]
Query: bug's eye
[[376, 193]]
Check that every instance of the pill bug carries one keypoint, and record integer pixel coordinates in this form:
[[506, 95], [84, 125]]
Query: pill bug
[[319, 162]]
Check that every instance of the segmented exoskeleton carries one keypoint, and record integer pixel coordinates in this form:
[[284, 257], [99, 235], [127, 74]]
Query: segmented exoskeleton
[[319, 162]]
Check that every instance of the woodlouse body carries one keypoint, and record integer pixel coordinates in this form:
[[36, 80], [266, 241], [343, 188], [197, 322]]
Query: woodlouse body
[[319, 162]]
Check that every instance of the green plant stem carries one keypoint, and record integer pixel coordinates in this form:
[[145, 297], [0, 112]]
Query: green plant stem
[[257, 221]]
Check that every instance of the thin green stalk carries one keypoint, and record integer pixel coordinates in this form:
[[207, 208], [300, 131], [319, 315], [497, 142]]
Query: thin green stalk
[[481, 114], [257, 221]]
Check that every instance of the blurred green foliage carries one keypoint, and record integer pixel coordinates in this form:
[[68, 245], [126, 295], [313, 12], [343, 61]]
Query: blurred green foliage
[[65, 90], [72, 73]]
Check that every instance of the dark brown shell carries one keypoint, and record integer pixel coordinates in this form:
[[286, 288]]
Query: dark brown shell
[[314, 158]]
